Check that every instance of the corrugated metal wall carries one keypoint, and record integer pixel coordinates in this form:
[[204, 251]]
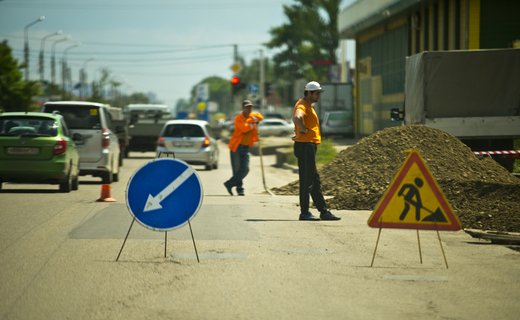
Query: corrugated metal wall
[[428, 26]]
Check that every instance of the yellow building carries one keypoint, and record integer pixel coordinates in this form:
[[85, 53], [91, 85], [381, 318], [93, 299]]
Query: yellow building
[[386, 31]]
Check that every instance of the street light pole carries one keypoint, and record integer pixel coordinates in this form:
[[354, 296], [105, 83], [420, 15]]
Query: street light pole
[[26, 45], [41, 58], [64, 69], [53, 58]]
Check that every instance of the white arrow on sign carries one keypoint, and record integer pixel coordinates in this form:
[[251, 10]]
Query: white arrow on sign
[[154, 203]]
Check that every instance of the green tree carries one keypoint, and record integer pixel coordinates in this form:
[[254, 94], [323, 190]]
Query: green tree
[[310, 35], [15, 93]]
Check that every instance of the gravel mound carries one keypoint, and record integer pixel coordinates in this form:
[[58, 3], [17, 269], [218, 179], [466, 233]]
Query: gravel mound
[[483, 194]]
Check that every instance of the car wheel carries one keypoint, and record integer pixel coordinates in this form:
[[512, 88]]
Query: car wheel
[[66, 185], [215, 165], [120, 159], [106, 177], [115, 176], [75, 183], [208, 167]]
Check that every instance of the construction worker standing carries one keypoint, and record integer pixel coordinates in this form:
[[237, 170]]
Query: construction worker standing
[[306, 140], [244, 136]]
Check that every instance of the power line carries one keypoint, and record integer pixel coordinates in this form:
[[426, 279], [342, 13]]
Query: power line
[[148, 5]]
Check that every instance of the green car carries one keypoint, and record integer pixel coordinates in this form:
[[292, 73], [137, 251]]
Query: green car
[[37, 147]]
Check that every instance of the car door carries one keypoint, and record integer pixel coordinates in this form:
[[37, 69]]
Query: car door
[[85, 120]]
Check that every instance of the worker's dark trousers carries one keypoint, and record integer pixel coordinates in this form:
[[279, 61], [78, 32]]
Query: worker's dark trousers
[[240, 166], [309, 177]]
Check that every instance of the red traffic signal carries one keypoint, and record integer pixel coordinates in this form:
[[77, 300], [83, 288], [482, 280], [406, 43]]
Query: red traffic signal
[[235, 80], [236, 85]]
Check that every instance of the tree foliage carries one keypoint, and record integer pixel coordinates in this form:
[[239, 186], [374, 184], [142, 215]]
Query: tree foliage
[[310, 35], [15, 93]]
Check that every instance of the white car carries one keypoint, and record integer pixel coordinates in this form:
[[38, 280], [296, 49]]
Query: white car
[[99, 147], [192, 141], [275, 127]]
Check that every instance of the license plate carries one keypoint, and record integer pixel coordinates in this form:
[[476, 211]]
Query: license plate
[[183, 144], [23, 151]]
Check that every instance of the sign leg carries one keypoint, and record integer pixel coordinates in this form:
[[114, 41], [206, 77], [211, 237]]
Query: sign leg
[[419, 243], [165, 242], [193, 239], [121, 250], [375, 249], [442, 249]]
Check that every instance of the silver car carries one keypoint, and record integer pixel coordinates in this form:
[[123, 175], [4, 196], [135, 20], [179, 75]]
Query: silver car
[[275, 127], [192, 141], [99, 147], [337, 123]]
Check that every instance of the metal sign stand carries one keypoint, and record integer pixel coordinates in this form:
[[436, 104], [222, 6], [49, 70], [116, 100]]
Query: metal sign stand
[[168, 154], [418, 242]]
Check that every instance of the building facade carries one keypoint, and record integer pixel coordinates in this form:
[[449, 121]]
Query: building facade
[[387, 31]]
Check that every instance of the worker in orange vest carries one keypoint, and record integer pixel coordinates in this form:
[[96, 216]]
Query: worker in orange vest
[[245, 134], [306, 140]]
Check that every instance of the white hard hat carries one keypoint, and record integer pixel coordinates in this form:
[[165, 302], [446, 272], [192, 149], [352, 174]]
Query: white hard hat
[[313, 86]]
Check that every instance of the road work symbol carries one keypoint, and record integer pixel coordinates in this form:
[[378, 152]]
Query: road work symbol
[[164, 194], [414, 201]]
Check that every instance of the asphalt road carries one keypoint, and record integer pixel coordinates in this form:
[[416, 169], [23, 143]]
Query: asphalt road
[[58, 252]]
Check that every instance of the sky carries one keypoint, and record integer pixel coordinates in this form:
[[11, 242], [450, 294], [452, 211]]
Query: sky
[[160, 46]]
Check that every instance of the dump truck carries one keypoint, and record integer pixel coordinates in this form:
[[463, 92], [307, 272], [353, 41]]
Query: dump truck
[[473, 95], [146, 123]]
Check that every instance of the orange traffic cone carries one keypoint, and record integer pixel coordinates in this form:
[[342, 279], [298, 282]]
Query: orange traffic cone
[[105, 194]]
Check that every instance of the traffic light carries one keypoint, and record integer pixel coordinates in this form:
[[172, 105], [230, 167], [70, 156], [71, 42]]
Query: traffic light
[[267, 89], [236, 85]]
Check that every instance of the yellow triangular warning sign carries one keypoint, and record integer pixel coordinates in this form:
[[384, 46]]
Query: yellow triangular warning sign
[[414, 201]]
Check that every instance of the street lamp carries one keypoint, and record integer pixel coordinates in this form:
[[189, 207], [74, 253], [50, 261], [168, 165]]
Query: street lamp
[[53, 58], [64, 68], [26, 45], [42, 47]]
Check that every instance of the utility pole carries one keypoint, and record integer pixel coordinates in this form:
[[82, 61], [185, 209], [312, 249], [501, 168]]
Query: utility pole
[[236, 101], [262, 81]]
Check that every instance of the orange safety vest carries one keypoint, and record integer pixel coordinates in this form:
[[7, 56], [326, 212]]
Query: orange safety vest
[[246, 131], [310, 119]]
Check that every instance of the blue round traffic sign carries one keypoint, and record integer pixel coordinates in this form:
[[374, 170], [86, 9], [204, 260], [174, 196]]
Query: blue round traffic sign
[[164, 194]]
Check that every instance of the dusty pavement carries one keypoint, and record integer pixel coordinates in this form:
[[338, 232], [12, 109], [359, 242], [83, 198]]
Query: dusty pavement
[[256, 262]]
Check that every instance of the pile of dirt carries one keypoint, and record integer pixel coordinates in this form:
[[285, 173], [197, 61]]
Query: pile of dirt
[[483, 194]]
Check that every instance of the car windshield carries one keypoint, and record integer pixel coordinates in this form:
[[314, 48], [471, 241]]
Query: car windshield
[[78, 117], [33, 126], [183, 130]]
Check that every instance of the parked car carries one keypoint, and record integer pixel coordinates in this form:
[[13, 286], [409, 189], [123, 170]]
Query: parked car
[[38, 147], [99, 147], [275, 127], [337, 123], [274, 115], [192, 141]]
